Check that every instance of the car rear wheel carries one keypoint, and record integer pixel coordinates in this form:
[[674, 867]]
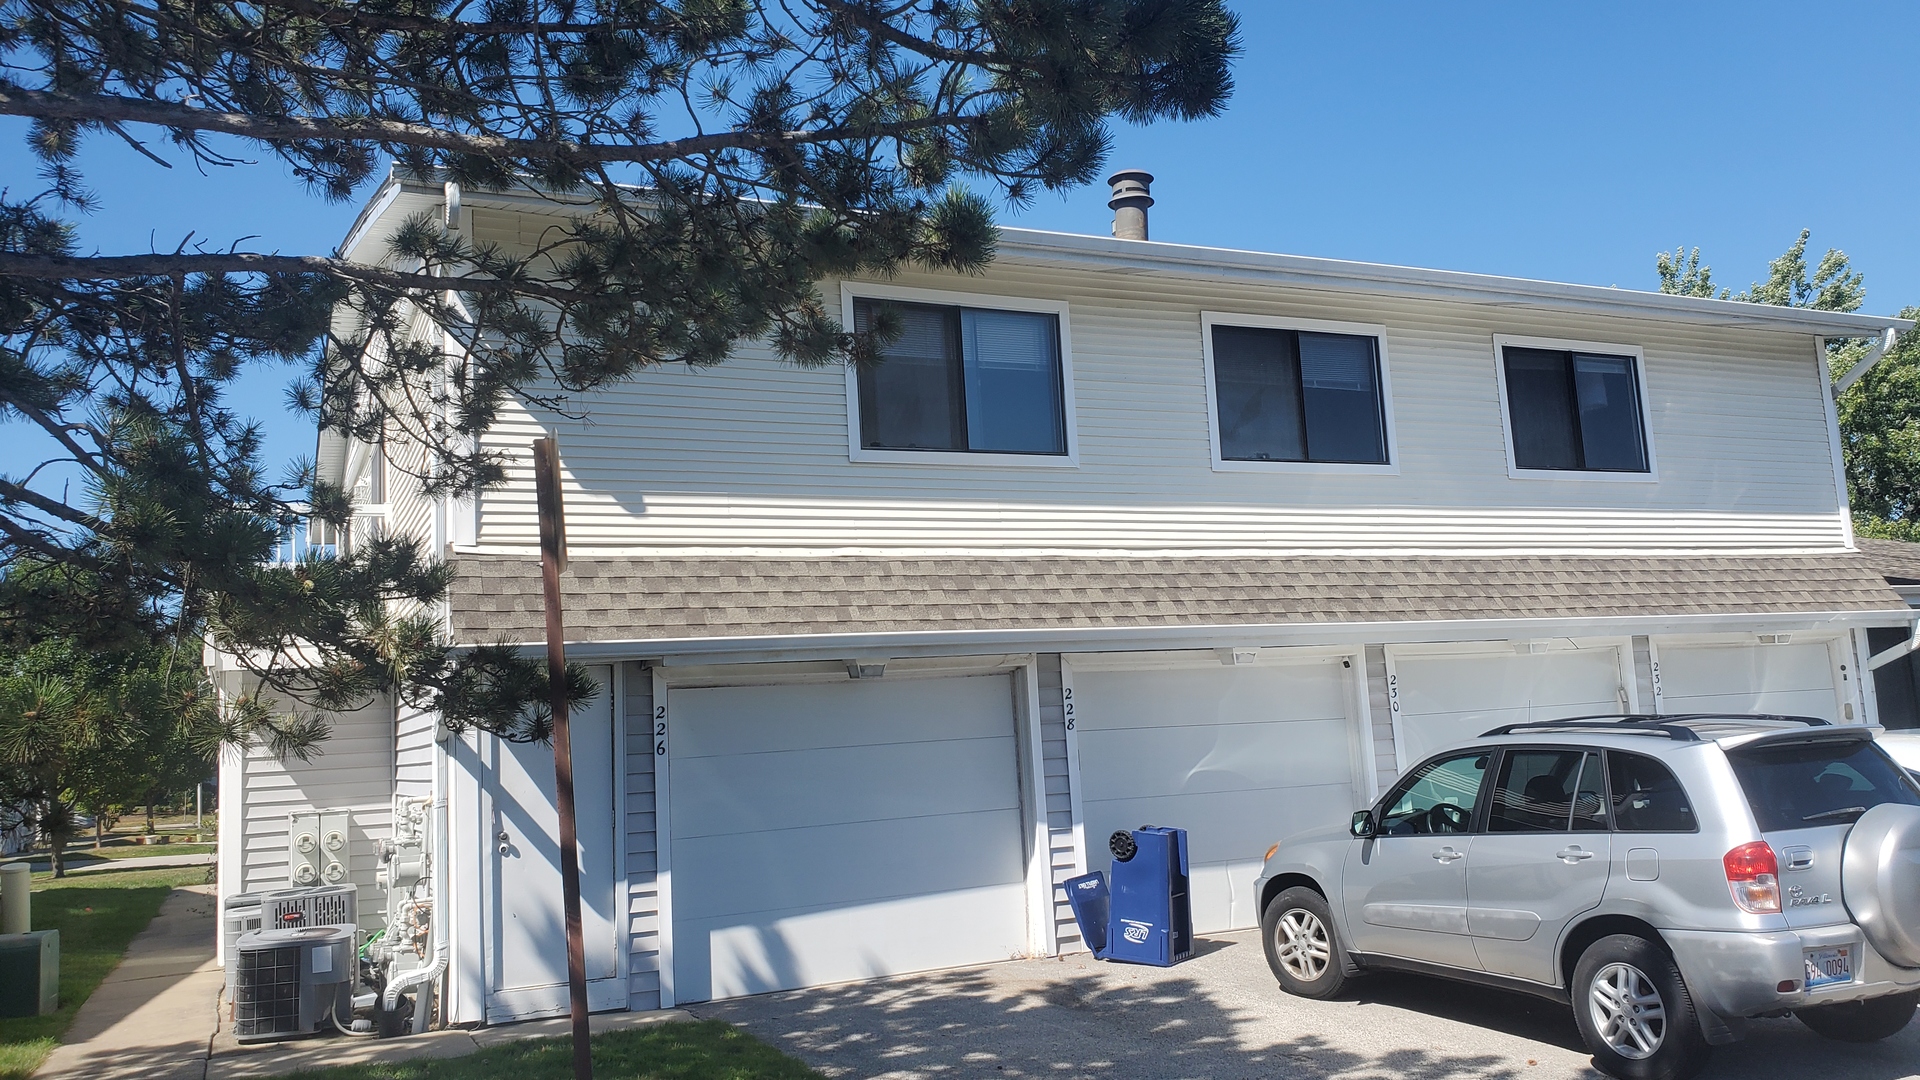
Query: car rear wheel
[[1862, 1021], [1634, 1012], [1302, 948]]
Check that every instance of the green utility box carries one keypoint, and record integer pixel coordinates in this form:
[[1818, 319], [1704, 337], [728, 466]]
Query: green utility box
[[29, 973]]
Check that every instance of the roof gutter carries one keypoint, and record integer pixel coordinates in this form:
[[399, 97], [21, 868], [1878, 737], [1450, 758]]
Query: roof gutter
[[786, 647], [1887, 340]]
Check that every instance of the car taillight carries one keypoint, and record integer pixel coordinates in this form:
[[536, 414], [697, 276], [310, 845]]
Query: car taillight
[[1754, 876]]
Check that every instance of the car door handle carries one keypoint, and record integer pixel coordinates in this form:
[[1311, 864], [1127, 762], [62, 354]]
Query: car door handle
[[1572, 855], [1447, 854]]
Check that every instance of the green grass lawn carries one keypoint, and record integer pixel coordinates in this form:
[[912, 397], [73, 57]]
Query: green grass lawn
[[97, 915], [698, 1050], [134, 851]]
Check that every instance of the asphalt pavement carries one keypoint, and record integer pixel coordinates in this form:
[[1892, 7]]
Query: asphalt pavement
[[1221, 1016]]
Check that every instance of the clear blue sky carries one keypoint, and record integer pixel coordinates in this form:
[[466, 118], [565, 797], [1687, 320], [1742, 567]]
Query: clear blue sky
[[1558, 141]]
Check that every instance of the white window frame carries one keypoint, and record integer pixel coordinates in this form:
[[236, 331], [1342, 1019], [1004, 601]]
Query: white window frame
[[1514, 471], [1211, 319], [851, 291]]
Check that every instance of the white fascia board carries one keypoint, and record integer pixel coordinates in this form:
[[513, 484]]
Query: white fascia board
[[715, 650], [1340, 275]]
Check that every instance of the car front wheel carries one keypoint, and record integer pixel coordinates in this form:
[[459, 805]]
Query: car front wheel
[[1634, 1012], [1302, 948]]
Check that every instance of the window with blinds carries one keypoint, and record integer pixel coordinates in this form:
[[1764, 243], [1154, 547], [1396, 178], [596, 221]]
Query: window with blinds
[[963, 379], [1573, 411], [1297, 395]]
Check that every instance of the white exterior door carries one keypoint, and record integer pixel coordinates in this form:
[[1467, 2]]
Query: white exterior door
[[1446, 695], [829, 832], [1237, 756], [1745, 676], [527, 975]]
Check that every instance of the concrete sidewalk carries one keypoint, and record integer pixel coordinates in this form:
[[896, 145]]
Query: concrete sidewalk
[[153, 1016]]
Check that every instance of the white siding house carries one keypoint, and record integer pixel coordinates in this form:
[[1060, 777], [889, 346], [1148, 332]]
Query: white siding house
[[857, 689]]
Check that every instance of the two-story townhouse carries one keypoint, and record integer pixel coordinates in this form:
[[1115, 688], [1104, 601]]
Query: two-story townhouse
[[1122, 532]]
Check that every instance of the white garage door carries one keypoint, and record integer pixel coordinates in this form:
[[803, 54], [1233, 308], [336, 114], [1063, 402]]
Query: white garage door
[[1745, 677], [830, 832], [1239, 757], [1446, 698]]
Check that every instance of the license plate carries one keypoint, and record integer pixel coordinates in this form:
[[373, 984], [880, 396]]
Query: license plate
[[1826, 967]]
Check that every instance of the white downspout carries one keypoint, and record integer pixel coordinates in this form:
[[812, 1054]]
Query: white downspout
[[441, 902], [1875, 351]]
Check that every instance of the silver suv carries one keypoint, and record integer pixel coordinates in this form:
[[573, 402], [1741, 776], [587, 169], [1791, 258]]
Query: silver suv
[[1668, 876]]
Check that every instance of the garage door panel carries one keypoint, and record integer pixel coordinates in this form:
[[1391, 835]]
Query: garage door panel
[[1224, 825], [1428, 733], [838, 864], [1818, 703], [1702, 670], [1224, 757], [722, 720], [811, 947], [838, 831], [1161, 698], [1471, 683], [802, 788]]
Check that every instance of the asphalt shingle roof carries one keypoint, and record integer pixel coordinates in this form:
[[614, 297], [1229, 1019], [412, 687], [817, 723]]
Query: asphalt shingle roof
[[1896, 560], [641, 598]]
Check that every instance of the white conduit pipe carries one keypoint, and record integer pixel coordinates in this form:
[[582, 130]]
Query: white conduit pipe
[[438, 966]]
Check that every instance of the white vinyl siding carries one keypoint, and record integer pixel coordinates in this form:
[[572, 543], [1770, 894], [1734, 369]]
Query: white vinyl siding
[[753, 453], [352, 771], [413, 750], [1062, 853]]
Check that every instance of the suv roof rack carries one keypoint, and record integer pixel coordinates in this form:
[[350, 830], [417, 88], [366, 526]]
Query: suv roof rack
[[1668, 725]]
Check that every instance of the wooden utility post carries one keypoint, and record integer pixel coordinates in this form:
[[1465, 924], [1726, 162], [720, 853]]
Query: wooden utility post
[[553, 561]]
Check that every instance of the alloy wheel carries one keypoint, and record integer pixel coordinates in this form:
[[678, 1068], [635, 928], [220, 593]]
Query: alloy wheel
[[1628, 1011], [1302, 944]]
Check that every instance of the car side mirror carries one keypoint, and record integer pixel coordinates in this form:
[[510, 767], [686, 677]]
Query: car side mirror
[[1362, 826]]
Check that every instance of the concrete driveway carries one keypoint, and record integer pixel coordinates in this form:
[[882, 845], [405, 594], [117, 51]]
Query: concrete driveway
[[1220, 1015]]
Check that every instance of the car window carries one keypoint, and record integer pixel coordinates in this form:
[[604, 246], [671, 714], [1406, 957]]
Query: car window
[[1437, 798], [1806, 784], [1534, 792], [1646, 797]]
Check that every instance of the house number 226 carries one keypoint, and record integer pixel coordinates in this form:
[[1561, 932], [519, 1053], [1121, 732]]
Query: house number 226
[[660, 730]]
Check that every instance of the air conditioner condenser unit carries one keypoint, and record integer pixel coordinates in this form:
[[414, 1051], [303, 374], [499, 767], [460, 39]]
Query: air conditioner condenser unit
[[288, 983]]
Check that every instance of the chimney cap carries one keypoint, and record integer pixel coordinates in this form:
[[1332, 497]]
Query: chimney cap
[[1131, 187]]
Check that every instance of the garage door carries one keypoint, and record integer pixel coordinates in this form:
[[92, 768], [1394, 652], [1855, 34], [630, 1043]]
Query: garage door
[[1237, 756], [1443, 698], [842, 831], [1796, 678]]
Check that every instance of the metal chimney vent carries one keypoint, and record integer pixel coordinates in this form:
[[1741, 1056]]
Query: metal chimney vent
[[1132, 194]]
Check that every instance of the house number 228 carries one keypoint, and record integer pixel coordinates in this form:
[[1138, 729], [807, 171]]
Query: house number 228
[[1066, 704]]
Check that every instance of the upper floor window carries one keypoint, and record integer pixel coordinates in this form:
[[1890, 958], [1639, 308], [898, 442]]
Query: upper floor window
[[1576, 409], [1307, 393], [964, 379]]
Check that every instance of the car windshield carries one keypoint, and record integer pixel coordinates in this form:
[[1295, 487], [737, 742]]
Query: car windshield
[[1821, 782]]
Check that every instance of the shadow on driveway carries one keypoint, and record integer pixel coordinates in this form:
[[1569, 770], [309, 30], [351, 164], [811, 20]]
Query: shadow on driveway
[[1221, 1016]]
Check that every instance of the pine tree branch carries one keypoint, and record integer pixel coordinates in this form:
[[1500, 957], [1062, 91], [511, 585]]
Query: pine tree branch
[[111, 108], [879, 27], [12, 492], [121, 267]]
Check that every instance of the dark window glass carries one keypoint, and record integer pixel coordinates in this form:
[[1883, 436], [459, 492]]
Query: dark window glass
[[1896, 685], [1438, 797], [1286, 395], [1574, 411], [1535, 791], [964, 379], [1825, 782], [1646, 796]]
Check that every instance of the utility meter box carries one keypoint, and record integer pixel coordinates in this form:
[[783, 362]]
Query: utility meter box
[[319, 847], [29, 973]]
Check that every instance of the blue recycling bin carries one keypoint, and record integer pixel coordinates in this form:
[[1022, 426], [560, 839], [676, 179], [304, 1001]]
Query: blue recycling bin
[[1145, 916]]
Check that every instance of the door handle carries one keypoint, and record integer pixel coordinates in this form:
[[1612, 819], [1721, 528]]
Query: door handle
[[1447, 854], [1572, 855]]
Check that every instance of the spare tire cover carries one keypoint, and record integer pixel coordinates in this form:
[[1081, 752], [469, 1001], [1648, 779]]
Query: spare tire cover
[[1880, 880]]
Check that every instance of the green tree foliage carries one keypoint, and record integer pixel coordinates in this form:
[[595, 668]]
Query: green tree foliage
[[715, 160], [82, 730], [1879, 414]]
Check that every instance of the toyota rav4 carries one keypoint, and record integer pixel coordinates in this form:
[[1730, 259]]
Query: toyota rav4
[[1668, 876]]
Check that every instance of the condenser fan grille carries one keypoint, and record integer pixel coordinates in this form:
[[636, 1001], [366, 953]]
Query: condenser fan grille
[[266, 992]]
